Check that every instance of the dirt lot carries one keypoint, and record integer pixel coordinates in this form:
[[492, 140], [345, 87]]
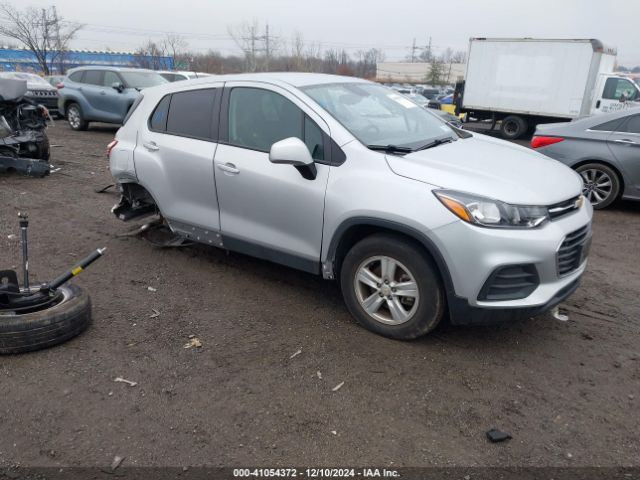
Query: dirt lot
[[567, 392]]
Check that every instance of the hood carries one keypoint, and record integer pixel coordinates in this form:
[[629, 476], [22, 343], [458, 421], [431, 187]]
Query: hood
[[40, 86], [492, 168]]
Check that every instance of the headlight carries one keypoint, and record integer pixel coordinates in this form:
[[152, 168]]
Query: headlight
[[491, 213]]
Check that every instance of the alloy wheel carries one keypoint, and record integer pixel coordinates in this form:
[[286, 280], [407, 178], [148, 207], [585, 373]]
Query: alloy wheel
[[73, 116], [386, 290], [597, 185]]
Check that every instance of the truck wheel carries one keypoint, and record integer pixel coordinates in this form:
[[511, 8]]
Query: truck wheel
[[601, 184], [50, 326], [75, 118], [513, 127], [391, 287]]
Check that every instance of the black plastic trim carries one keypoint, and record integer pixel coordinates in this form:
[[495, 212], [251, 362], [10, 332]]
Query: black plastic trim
[[462, 313], [400, 228], [267, 253], [521, 281]]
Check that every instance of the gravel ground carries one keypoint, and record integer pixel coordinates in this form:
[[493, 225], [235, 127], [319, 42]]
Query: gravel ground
[[567, 392]]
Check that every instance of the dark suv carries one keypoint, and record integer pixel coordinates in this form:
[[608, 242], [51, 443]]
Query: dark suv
[[102, 94]]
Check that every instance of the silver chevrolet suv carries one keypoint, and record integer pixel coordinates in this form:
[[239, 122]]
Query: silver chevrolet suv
[[342, 177]]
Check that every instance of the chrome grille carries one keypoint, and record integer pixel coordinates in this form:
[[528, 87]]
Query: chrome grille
[[573, 250], [558, 210], [45, 93]]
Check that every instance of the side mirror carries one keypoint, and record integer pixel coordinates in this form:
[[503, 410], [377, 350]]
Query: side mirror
[[118, 86], [293, 151]]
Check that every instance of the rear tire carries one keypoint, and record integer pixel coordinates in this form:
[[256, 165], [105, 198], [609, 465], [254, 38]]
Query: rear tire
[[48, 327], [409, 304], [513, 127], [601, 184], [75, 117]]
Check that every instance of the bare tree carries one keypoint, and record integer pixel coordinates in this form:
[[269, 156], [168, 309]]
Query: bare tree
[[151, 55], [458, 56], [176, 47], [41, 31]]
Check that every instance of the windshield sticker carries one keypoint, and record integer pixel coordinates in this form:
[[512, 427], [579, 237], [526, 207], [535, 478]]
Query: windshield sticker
[[405, 102]]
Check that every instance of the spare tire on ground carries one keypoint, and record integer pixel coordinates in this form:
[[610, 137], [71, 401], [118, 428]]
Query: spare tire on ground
[[35, 330]]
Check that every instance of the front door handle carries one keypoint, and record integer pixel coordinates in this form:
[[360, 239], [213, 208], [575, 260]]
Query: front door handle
[[625, 141], [151, 146], [228, 168], [102, 92]]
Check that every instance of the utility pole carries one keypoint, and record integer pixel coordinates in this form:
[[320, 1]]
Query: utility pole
[[413, 51], [429, 50], [266, 45]]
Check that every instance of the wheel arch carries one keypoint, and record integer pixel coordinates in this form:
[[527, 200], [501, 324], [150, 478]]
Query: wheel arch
[[606, 163], [355, 229]]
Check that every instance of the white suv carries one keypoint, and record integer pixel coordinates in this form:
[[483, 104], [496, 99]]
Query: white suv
[[351, 180]]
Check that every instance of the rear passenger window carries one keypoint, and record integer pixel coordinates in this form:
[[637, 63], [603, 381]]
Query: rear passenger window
[[191, 113], [158, 120], [93, 77], [608, 126]]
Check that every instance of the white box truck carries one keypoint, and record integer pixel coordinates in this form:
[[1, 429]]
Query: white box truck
[[521, 82]]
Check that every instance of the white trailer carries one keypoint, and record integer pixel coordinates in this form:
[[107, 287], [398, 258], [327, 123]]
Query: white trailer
[[523, 82]]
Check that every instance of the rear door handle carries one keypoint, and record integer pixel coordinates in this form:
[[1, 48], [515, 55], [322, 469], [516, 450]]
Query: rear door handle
[[102, 92], [626, 141], [151, 146], [228, 168]]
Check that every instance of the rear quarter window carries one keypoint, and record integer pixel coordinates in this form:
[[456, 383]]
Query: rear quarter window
[[158, 119], [76, 77]]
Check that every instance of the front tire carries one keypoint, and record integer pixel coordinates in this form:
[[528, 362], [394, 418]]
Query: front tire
[[391, 287], [75, 117], [601, 184]]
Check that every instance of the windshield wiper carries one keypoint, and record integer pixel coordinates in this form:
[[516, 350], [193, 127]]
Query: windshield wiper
[[390, 148], [435, 143]]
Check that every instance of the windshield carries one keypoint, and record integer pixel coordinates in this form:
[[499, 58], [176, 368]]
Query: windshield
[[142, 79], [29, 77], [377, 115]]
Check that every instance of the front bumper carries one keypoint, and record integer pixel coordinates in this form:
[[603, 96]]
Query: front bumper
[[473, 253]]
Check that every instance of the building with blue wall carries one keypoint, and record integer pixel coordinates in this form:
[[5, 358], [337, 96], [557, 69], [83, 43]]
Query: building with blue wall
[[25, 61]]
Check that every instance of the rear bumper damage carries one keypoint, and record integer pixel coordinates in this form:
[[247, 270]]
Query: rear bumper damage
[[27, 166]]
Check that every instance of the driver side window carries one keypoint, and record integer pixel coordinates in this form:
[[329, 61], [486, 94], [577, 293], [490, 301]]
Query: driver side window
[[616, 88], [259, 118]]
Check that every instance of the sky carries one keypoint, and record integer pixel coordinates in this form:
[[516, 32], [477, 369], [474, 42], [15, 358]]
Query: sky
[[352, 24]]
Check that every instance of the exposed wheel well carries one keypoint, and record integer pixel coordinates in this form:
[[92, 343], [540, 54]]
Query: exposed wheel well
[[134, 192], [606, 164]]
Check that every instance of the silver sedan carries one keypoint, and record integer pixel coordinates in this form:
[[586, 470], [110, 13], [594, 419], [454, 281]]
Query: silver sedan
[[603, 149]]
